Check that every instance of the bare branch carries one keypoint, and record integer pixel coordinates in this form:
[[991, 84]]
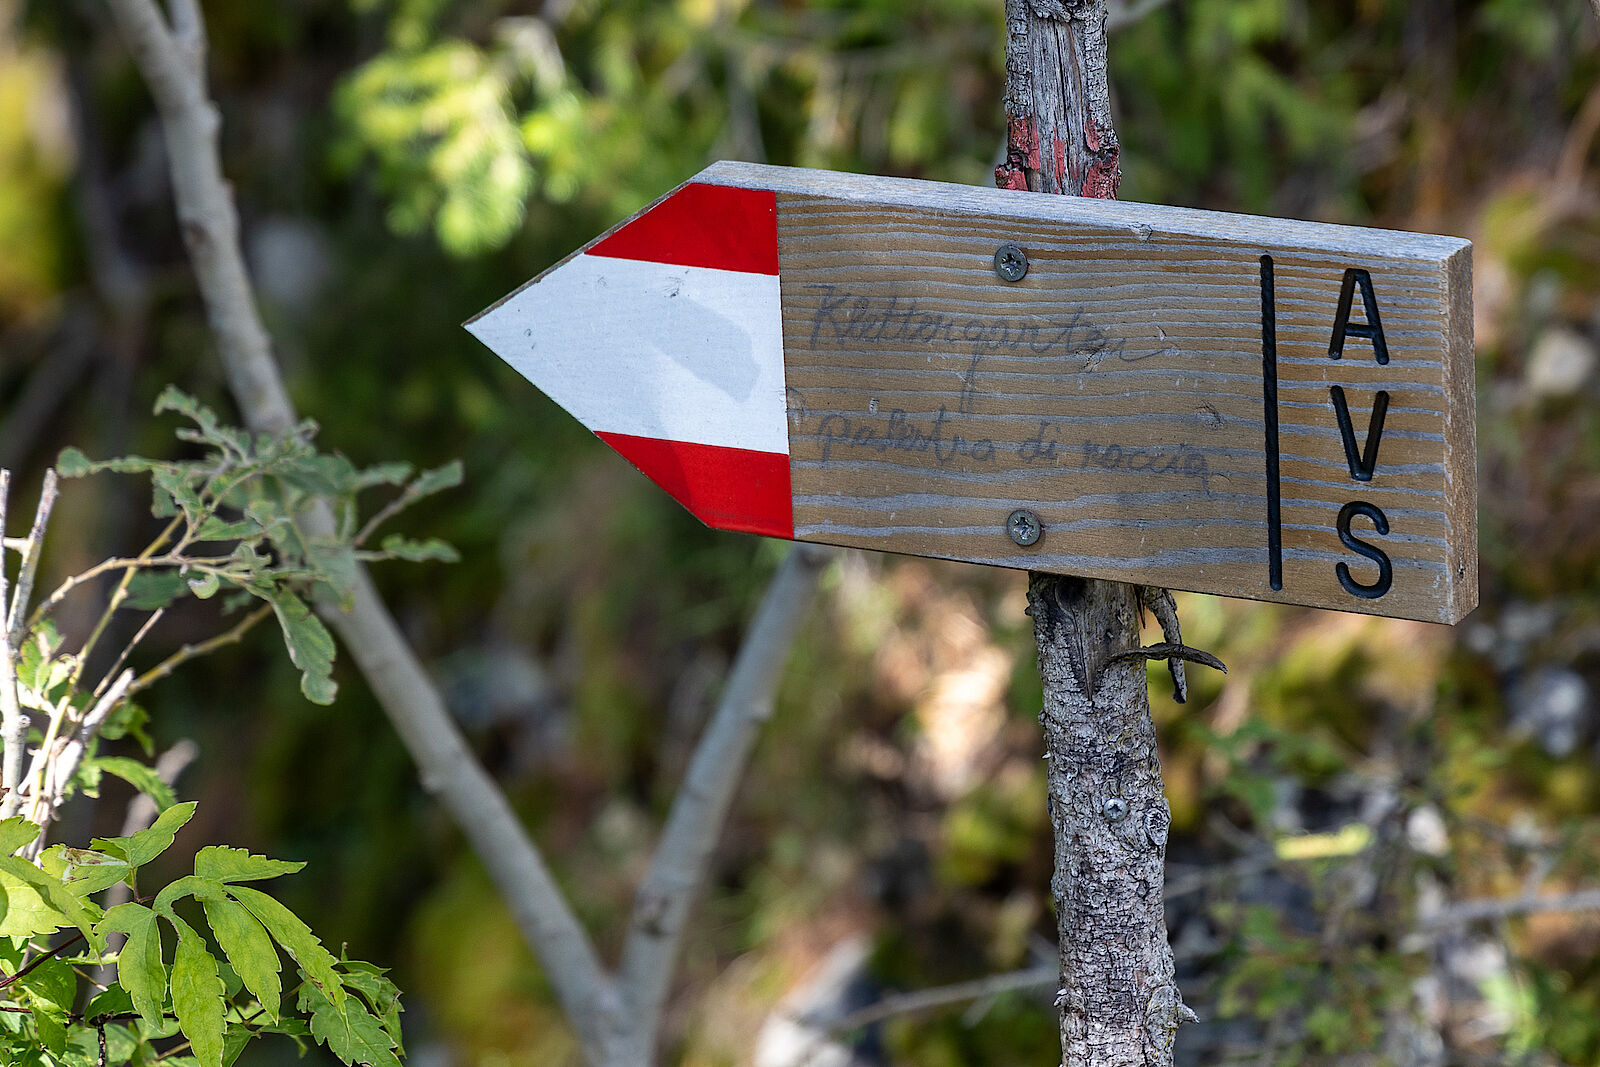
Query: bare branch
[[661, 905], [189, 30], [33, 549], [944, 996], [206, 213], [13, 727], [1470, 911]]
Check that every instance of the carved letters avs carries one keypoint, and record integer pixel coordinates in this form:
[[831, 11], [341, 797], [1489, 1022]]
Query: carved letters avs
[[1362, 457]]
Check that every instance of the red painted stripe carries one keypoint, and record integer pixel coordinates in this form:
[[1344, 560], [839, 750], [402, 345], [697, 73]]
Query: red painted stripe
[[703, 226], [726, 488]]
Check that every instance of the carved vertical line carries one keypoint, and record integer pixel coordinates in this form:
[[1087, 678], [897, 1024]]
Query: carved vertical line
[[1269, 400]]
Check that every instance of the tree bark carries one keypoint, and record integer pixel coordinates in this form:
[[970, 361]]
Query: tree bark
[[1119, 1004]]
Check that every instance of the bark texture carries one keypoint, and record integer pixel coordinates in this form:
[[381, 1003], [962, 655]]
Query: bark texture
[[1060, 138], [1119, 1004]]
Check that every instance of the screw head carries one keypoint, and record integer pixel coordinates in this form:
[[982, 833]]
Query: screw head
[[1115, 809], [1011, 263], [1024, 527]]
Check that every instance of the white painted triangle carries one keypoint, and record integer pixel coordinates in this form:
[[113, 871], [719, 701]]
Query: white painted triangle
[[652, 349]]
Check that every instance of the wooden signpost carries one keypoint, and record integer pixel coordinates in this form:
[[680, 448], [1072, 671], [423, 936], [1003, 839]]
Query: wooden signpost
[[1227, 404]]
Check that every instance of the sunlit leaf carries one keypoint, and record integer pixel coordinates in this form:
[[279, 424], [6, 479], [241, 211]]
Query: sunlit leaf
[[227, 864], [140, 969], [248, 948], [145, 845], [197, 996]]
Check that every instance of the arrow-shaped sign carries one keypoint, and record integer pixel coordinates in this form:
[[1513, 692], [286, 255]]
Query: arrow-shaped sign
[[1221, 403]]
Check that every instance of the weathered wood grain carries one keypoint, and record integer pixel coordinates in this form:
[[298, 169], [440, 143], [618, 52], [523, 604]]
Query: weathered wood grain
[[1118, 390]]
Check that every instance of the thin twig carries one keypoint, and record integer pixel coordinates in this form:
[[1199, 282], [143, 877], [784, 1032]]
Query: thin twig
[[943, 996], [43, 957], [189, 652], [384, 514], [32, 550], [677, 869], [127, 650], [13, 727]]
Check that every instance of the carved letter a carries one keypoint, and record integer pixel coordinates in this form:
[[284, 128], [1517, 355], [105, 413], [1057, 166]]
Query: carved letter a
[[1372, 330]]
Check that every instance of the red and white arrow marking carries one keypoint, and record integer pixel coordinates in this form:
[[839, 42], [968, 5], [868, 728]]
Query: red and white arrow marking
[[665, 339]]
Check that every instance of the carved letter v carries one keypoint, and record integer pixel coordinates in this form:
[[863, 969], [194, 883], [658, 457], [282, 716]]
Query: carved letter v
[[1365, 461]]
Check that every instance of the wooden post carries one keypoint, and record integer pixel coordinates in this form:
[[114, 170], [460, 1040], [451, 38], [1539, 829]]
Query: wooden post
[[1118, 1002]]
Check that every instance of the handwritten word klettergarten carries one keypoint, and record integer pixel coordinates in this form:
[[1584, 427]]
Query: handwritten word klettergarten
[[845, 315]]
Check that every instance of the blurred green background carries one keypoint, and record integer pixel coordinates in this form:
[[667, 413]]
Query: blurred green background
[[399, 164]]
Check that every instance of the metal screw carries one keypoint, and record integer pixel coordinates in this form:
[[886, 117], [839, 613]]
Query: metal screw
[[1115, 809], [1011, 263], [1024, 527]]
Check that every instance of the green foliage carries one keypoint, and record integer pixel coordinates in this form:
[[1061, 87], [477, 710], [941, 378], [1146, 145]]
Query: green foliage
[[244, 520], [218, 993]]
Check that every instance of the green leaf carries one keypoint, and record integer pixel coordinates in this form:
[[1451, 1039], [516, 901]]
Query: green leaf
[[296, 938], [51, 1024], [234, 1043], [151, 590], [383, 474], [336, 563], [197, 996], [77, 912], [140, 969], [437, 480], [140, 776], [145, 845], [86, 872], [354, 1034], [51, 989], [218, 529], [227, 864], [310, 646], [187, 886], [129, 720], [381, 995], [72, 463], [174, 399], [114, 1001], [175, 482], [432, 549], [205, 587], [24, 911], [248, 948], [16, 832], [52, 983]]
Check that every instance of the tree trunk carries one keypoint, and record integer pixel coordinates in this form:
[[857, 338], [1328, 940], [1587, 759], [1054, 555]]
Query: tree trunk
[[1119, 1004]]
